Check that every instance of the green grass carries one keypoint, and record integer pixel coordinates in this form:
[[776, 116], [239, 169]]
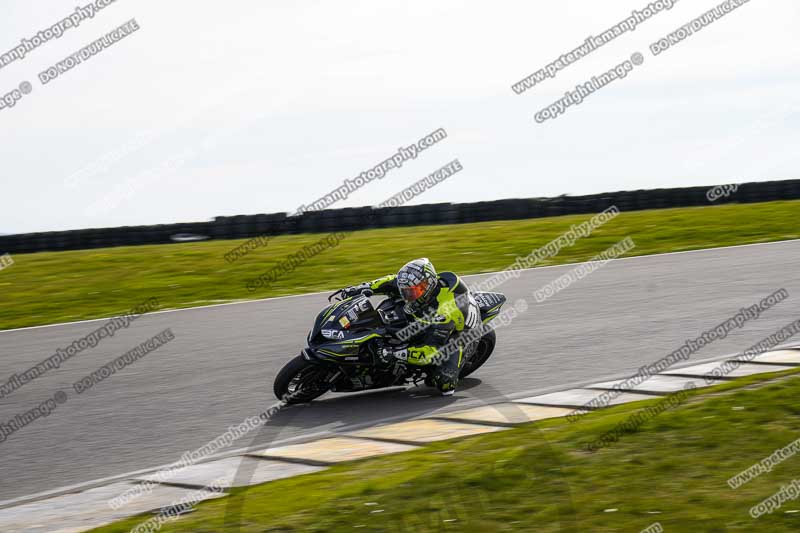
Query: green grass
[[55, 287], [538, 477]]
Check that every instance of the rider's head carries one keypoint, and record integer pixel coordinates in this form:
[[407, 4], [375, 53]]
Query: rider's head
[[417, 281]]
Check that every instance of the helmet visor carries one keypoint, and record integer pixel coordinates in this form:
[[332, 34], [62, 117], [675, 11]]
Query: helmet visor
[[412, 294]]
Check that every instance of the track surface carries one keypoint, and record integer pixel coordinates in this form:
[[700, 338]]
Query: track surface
[[220, 367]]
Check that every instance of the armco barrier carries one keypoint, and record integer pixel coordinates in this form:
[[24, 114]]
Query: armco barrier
[[354, 218]]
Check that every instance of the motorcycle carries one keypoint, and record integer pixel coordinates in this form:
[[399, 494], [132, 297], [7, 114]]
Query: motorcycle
[[343, 346]]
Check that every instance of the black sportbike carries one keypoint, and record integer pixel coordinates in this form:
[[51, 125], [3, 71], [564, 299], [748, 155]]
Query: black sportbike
[[342, 352]]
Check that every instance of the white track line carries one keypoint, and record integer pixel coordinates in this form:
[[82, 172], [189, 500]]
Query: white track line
[[348, 428], [465, 276]]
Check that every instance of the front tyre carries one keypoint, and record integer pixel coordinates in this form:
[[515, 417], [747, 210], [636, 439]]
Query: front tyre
[[482, 352], [300, 381]]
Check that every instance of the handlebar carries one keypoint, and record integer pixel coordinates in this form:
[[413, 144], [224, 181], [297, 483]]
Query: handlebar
[[337, 293], [340, 293]]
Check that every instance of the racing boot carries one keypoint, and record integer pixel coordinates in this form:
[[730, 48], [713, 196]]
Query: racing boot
[[446, 376]]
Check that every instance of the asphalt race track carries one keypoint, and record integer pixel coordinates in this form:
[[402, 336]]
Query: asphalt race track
[[220, 367]]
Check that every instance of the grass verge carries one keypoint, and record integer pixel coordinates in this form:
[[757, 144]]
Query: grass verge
[[47, 288], [539, 477]]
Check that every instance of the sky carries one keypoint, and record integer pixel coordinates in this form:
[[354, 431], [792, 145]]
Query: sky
[[263, 106]]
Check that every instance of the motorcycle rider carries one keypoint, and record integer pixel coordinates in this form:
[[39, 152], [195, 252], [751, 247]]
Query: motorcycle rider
[[440, 301]]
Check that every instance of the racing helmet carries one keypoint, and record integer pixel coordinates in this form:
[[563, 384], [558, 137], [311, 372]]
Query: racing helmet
[[417, 281]]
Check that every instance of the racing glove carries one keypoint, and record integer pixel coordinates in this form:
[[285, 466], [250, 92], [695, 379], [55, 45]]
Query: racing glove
[[387, 354], [355, 290]]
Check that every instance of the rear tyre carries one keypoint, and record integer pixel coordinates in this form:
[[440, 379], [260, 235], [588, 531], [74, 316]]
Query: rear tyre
[[300, 381], [482, 352]]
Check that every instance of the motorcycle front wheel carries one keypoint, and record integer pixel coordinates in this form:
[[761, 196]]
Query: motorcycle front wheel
[[300, 381]]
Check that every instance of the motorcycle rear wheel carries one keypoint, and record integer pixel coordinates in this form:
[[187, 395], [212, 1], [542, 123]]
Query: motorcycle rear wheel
[[482, 352], [300, 381]]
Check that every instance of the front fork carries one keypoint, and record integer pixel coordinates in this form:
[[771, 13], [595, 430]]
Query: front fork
[[335, 371]]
